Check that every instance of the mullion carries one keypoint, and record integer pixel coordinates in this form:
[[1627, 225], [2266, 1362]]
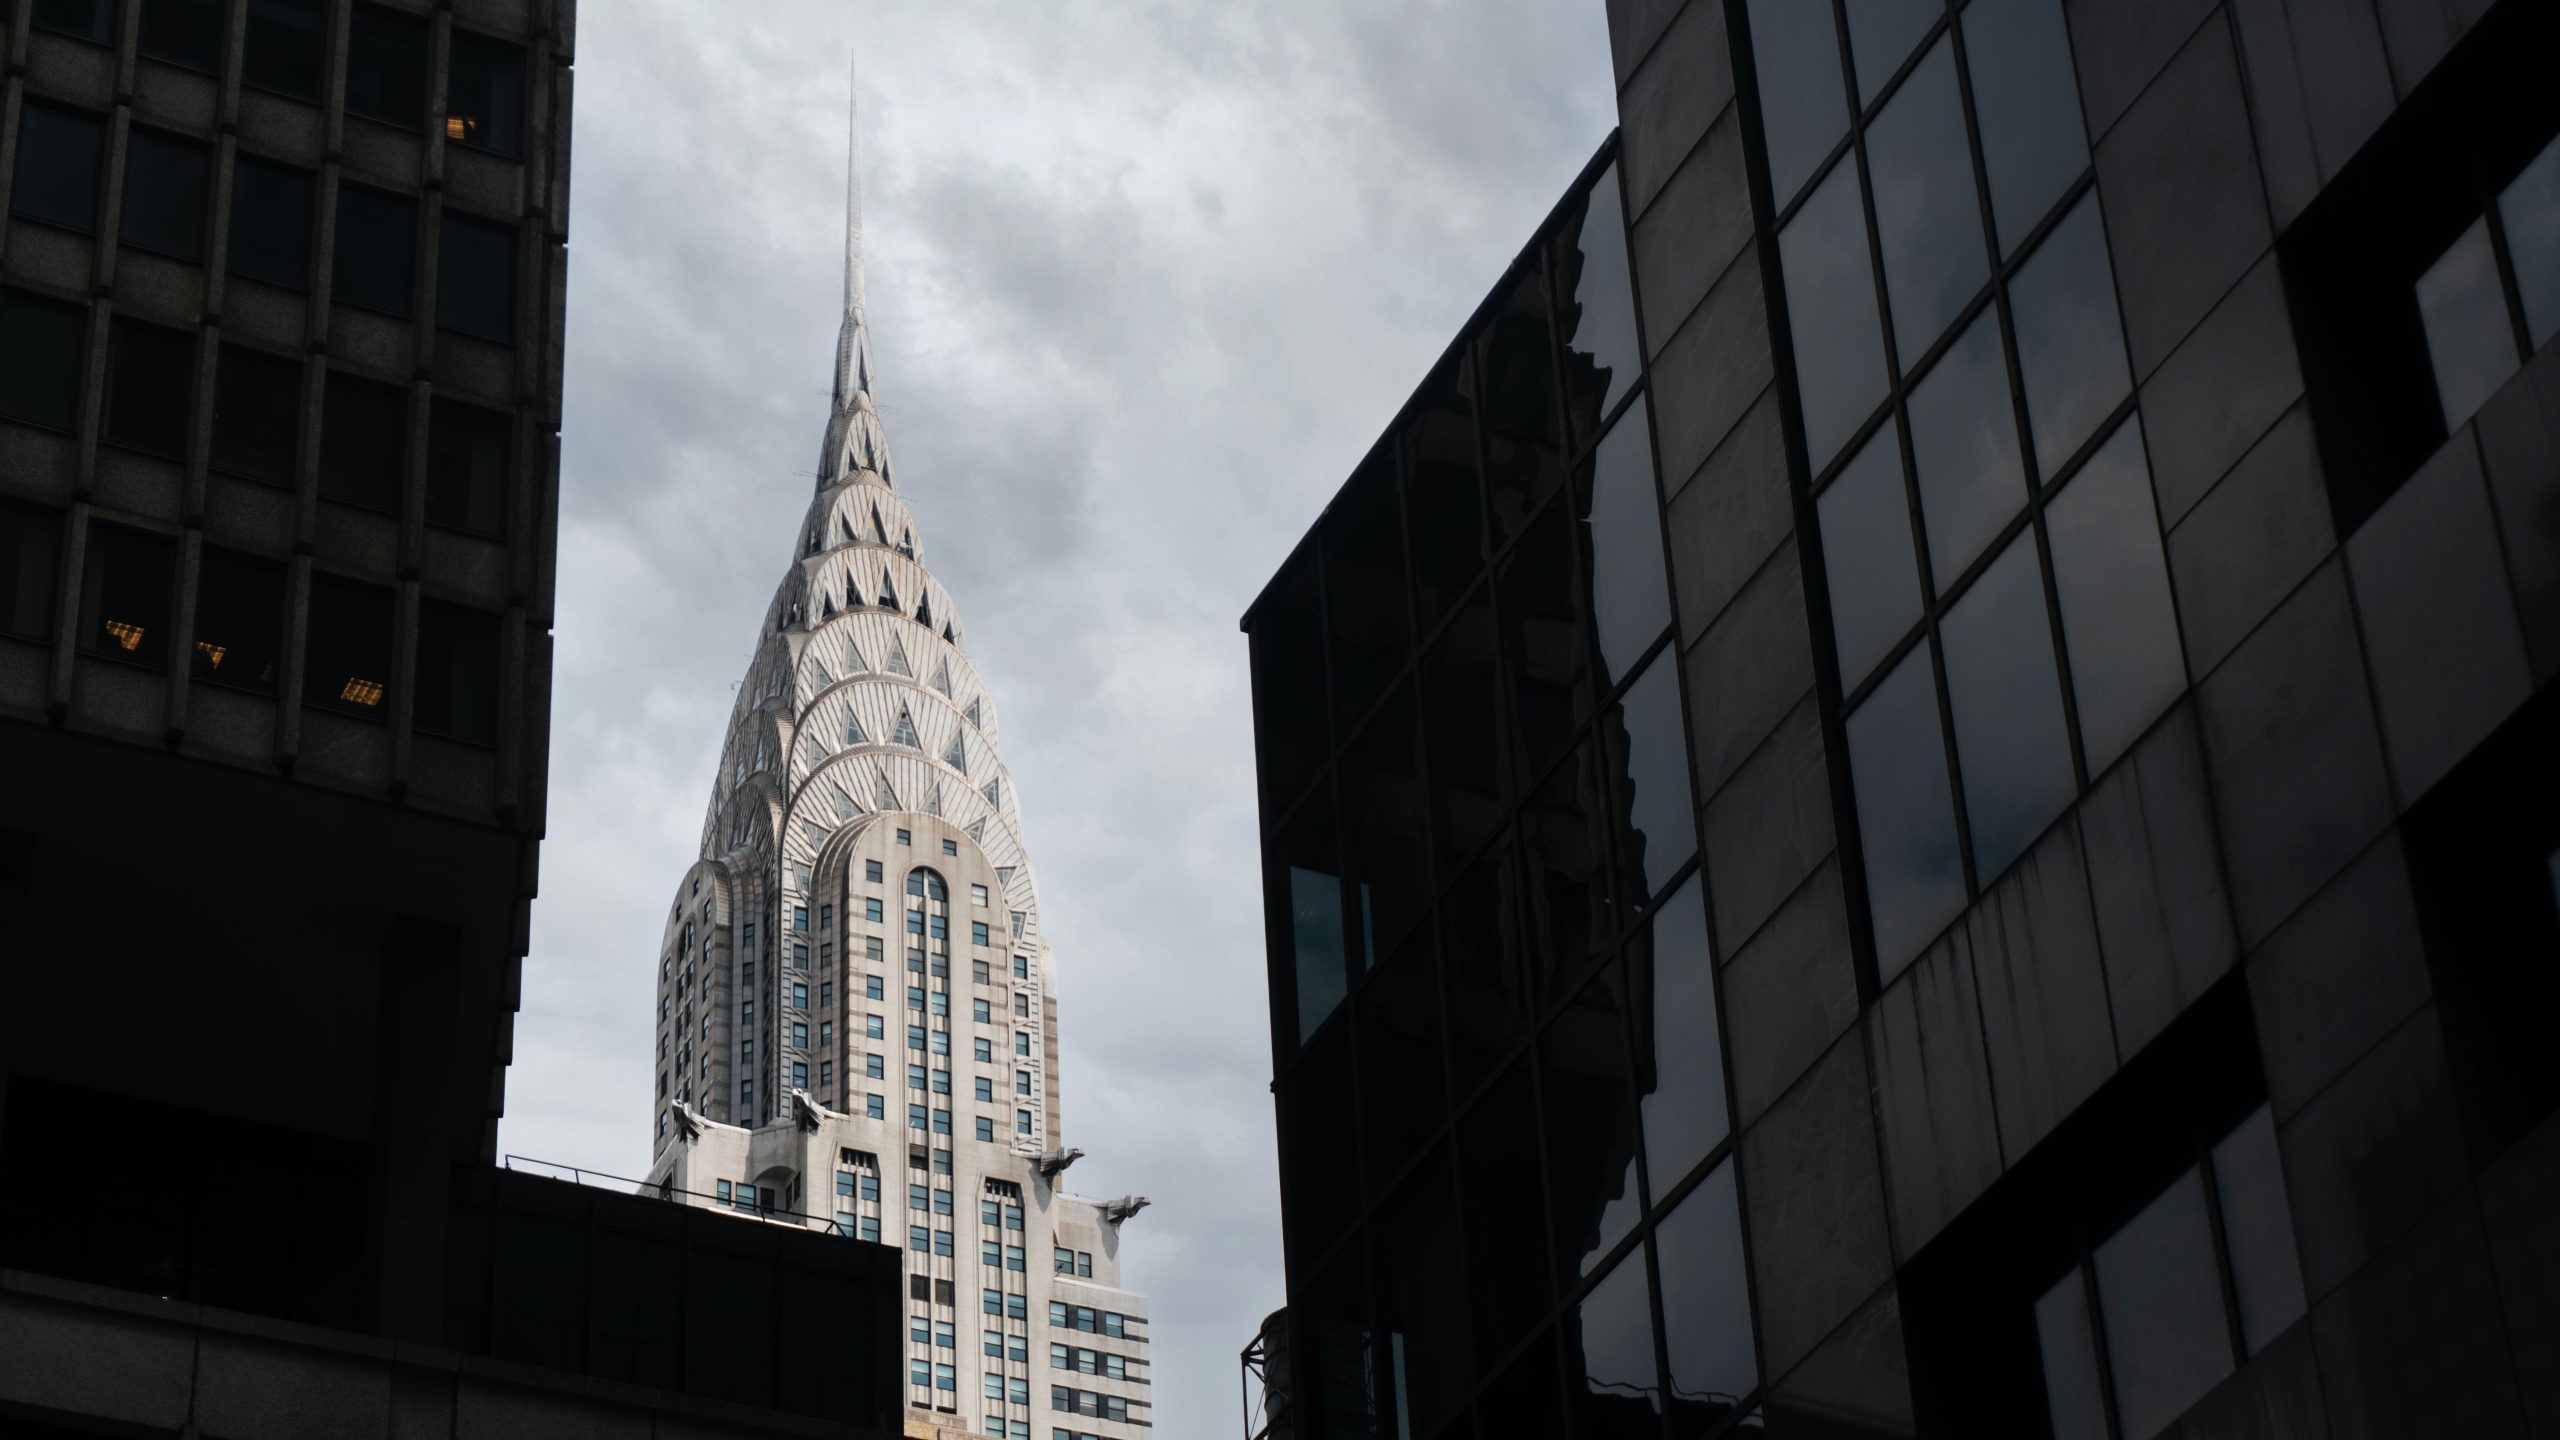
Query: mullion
[[2004, 318], [2508, 289]]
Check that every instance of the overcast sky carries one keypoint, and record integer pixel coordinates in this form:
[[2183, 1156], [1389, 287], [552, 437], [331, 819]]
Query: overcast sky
[[1146, 279]]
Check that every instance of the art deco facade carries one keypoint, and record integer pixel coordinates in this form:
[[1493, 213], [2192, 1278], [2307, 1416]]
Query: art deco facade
[[281, 310], [1915, 793], [857, 1009]]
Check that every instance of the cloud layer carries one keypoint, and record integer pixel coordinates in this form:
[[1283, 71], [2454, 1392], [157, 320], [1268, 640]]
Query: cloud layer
[[1145, 280]]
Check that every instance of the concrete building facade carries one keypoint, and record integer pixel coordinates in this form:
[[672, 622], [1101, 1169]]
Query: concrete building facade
[[2104, 462], [857, 1008]]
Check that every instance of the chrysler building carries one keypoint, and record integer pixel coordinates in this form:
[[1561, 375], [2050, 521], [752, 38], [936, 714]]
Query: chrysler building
[[857, 1007]]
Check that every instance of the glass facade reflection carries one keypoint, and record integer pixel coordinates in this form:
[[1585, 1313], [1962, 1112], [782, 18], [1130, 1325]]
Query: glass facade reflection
[[1505, 1135]]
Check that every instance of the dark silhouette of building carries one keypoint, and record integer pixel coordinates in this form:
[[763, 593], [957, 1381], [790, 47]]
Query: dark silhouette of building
[[1916, 793], [281, 289]]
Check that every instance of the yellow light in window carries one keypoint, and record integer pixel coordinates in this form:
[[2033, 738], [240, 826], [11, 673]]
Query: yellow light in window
[[456, 128], [362, 691], [212, 653], [126, 635]]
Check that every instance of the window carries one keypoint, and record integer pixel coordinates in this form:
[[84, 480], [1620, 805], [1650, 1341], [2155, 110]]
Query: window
[[1021, 1042], [800, 996], [978, 898], [457, 693], [875, 1108], [125, 588], [906, 837], [151, 376], [941, 1122], [991, 1301], [2165, 1287], [950, 847], [826, 1001], [364, 432], [941, 1001], [485, 101], [986, 1127], [287, 46], [1021, 1122], [183, 32], [348, 651], [164, 193], [981, 1050], [986, 1091], [871, 909], [915, 922], [800, 919], [942, 1245], [476, 279], [800, 1035], [941, 1082], [91, 20], [470, 459], [29, 542], [944, 1378], [979, 974], [57, 179], [978, 932], [873, 988], [916, 1117], [239, 621], [257, 415], [1013, 1260], [376, 259], [1021, 967], [271, 215], [1065, 1260], [871, 872], [799, 1075], [874, 1027], [40, 359], [978, 1011], [387, 67]]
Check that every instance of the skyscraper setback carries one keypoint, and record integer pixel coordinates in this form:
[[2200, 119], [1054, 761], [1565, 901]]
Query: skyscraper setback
[[861, 846]]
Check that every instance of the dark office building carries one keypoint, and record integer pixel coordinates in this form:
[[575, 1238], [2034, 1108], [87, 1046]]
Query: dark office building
[[281, 306], [1917, 793]]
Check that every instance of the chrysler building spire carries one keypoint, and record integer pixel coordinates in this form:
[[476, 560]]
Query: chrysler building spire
[[857, 1014]]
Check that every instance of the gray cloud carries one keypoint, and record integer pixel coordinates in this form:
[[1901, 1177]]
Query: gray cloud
[[1146, 279]]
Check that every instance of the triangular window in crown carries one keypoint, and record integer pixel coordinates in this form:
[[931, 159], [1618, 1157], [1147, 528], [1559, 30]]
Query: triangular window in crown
[[978, 829], [879, 532], [905, 733], [854, 664], [819, 679], [947, 635], [924, 613], [1018, 921], [933, 800], [882, 797], [1004, 875], [853, 729], [976, 717], [845, 808], [995, 792], [898, 659], [907, 544], [888, 592], [817, 835], [942, 676], [827, 606], [956, 757]]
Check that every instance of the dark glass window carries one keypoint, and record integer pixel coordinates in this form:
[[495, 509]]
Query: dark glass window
[[485, 106], [1388, 858], [2121, 625], [1547, 641], [287, 47], [89, 19], [2470, 340], [1906, 815], [151, 376], [1462, 731], [1400, 1055], [1421, 1284], [1881, 34], [57, 180], [2028, 108], [257, 415], [239, 621], [1679, 1064], [1563, 833], [470, 455], [2257, 1227], [1609, 1377], [476, 279], [2160, 1297], [1523, 447], [1871, 573], [1706, 1304], [348, 653], [183, 32], [2529, 209], [1443, 493], [2070, 349], [1366, 607], [387, 66], [125, 585], [41, 342], [1796, 55], [30, 542], [271, 223], [1964, 444], [164, 195], [1928, 222], [1831, 302], [1312, 887], [1598, 320], [1648, 761], [1630, 597], [457, 693], [1292, 739], [377, 253], [1484, 967], [364, 442], [2007, 701]]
